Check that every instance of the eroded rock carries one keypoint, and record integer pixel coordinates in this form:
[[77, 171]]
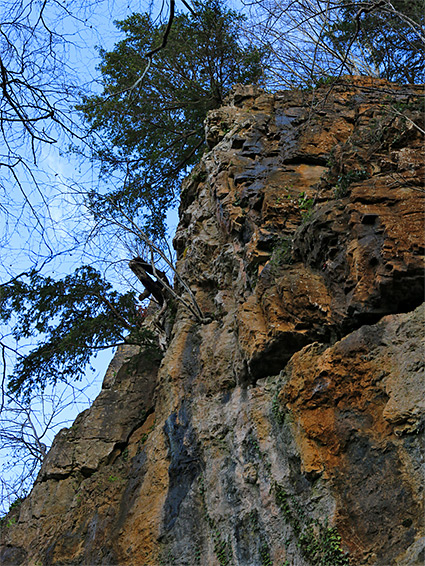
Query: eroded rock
[[286, 428]]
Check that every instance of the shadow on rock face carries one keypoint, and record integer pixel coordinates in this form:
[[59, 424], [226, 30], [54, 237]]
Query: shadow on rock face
[[184, 462]]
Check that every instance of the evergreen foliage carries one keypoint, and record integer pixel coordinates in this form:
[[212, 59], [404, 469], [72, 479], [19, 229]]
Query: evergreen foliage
[[147, 126], [72, 318], [150, 131]]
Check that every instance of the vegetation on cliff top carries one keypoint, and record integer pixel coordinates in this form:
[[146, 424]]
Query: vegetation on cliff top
[[148, 127]]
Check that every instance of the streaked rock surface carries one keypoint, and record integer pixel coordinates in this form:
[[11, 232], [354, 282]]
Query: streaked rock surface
[[295, 416]]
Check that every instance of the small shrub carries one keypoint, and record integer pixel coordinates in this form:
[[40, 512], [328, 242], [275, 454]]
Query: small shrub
[[265, 555], [200, 176], [281, 253], [305, 205], [347, 179], [277, 412], [197, 555], [222, 547], [5, 521], [318, 543], [316, 82]]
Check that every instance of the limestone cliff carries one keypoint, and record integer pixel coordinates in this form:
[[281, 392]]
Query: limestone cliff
[[287, 429]]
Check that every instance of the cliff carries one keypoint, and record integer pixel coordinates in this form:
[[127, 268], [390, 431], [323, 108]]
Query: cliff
[[286, 430]]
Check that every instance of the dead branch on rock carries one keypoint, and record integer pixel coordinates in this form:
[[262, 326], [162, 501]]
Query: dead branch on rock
[[161, 289]]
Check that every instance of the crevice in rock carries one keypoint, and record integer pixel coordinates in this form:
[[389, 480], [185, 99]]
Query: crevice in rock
[[321, 160], [121, 446], [87, 472], [270, 361], [58, 476]]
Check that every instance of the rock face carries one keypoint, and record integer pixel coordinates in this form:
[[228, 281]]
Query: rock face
[[286, 429]]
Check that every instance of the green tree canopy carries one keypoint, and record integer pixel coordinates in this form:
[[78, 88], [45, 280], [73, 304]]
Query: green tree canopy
[[147, 127], [71, 319], [150, 130]]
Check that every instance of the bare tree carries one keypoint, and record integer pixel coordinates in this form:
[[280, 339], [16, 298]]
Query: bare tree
[[41, 81], [37, 84], [152, 257], [39, 87], [27, 429], [311, 40]]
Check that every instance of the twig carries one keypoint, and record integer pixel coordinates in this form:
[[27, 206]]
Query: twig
[[408, 119], [194, 308]]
